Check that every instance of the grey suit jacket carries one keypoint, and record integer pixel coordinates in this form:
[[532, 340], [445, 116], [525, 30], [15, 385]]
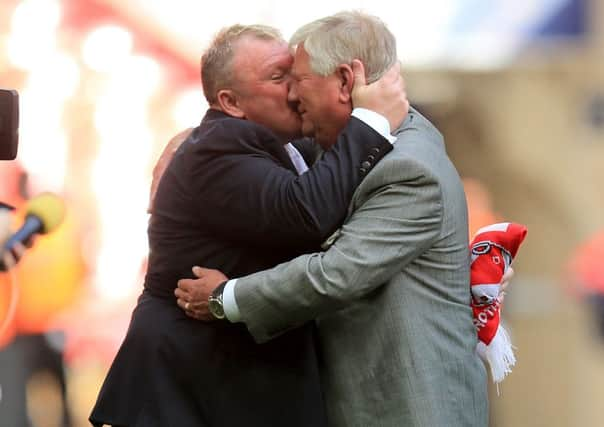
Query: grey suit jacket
[[390, 294]]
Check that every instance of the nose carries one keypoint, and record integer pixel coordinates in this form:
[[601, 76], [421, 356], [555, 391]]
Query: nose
[[292, 92]]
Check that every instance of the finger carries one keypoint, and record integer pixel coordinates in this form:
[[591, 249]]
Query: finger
[[198, 305], [181, 294], [185, 285], [390, 76], [182, 303], [199, 271], [509, 273], [9, 260], [507, 277], [359, 73]]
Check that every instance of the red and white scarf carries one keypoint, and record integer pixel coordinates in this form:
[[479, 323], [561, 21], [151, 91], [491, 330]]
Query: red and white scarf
[[493, 249]]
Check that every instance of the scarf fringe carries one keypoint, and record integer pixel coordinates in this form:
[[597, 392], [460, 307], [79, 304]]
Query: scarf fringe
[[498, 355]]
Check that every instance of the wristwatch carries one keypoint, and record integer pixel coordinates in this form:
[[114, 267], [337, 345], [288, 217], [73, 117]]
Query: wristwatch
[[215, 302]]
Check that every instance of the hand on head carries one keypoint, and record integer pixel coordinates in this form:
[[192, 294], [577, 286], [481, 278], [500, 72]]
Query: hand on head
[[385, 96]]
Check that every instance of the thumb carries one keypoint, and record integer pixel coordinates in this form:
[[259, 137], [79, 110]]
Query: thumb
[[359, 73], [198, 271]]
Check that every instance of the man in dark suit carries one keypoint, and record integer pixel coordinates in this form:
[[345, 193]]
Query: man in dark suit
[[232, 199]]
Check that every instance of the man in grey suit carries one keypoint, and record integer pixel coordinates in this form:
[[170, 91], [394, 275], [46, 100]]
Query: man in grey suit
[[391, 291]]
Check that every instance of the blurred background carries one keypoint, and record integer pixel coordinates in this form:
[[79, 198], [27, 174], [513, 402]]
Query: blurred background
[[516, 86]]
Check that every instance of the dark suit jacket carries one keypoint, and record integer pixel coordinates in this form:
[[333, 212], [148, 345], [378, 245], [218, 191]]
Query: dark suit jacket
[[230, 200]]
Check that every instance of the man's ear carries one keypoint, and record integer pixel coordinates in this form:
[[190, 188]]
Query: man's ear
[[346, 77], [229, 103]]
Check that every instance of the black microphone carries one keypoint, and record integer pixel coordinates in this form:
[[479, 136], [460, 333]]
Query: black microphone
[[44, 213], [9, 124]]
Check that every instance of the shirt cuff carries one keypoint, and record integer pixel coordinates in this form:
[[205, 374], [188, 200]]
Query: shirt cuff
[[376, 121], [231, 310]]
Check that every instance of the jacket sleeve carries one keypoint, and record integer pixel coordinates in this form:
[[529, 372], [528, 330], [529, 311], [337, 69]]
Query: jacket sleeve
[[395, 225], [246, 195]]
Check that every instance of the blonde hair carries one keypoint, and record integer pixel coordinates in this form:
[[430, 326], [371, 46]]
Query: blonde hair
[[340, 38], [216, 69]]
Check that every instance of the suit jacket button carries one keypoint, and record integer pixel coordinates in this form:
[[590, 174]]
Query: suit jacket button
[[366, 165], [371, 158], [376, 150], [363, 171]]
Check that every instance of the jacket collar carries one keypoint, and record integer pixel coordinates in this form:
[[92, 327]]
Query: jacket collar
[[411, 116], [213, 114]]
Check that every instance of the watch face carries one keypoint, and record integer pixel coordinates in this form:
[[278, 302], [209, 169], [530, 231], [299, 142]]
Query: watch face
[[215, 307]]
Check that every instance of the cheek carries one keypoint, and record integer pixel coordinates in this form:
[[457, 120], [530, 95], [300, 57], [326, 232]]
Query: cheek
[[318, 99], [305, 92], [279, 98], [281, 90], [318, 107]]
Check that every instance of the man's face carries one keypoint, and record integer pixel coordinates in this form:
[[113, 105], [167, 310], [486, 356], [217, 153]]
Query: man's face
[[261, 69], [324, 113]]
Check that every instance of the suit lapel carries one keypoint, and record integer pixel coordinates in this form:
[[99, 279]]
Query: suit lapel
[[407, 123]]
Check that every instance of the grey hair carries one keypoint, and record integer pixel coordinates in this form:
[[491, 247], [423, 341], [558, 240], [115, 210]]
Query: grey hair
[[216, 69], [348, 35]]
